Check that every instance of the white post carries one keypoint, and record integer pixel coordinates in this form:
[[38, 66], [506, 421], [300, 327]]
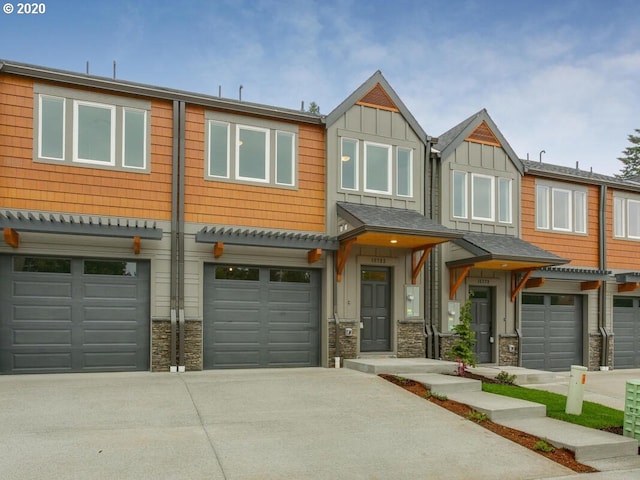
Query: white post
[[577, 379]]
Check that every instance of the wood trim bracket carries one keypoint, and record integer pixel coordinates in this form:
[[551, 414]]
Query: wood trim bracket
[[454, 283], [136, 245], [628, 287], [534, 282], [416, 263], [314, 255], [11, 237], [517, 286], [218, 249], [341, 258], [590, 285]]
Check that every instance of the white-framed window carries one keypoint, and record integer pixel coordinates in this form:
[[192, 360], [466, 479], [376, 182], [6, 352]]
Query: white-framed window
[[404, 172], [459, 196], [504, 200], [561, 208], [285, 167], [252, 153], [626, 217], [349, 163], [51, 127], [250, 150], [377, 168], [482, 197], [91, 129]]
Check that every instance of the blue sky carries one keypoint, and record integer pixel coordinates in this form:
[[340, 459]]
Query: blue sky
[[556, 75]]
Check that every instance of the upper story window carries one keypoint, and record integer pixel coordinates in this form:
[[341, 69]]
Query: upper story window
[[626, 217], [387, 169], [89, 129], [561, 208], [250, 150], [488, 195]]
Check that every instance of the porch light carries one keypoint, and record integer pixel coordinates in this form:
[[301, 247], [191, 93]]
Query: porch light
[[393, 241], [345, 158]]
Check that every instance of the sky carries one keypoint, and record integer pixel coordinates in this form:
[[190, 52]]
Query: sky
[[559, 76]]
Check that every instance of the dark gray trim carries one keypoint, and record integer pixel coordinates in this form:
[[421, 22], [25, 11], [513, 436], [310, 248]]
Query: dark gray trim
[[121, 86], [80, 225], [576, 274], [266, 238], [371, 82], [628, 277]]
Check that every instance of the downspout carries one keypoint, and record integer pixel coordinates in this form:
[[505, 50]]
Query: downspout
[[428, 210], [175, 274], [434, 260], [181, 186], [602, 291]]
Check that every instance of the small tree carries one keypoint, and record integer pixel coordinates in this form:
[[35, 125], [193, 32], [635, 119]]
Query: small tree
[[314, 108], [631, 159], [462, 350]]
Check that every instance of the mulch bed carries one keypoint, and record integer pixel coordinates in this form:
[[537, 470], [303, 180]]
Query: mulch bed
[[560, 455]]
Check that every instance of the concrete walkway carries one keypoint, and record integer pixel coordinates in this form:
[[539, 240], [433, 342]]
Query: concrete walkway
[[249, 424], [604, 451]]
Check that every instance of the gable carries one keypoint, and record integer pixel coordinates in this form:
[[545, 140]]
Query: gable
[[483, 134], [378, 98]]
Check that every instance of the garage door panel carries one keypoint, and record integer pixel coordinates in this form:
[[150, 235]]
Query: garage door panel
[[41, 289], [34, 338], [112, 336], [110, 291], [41, 313], [41, 362], [104, 361], [289, 358]]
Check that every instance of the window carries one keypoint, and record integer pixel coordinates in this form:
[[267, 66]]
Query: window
[[377, 168], [404, 170], [110, 267], [619, 217], [290, 276], [284, 158], [41, 264], [263, 151], [633, 219], [482, 197], [91, 129], [237, 273], [504, 200], [459, 194], [561, 209], [349, 164]]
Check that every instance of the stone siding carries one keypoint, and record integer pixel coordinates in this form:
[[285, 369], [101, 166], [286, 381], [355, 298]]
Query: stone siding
[[411, 340], [507, 357], [160, 345], [192, 345], [446, 344], [595, 352], [347, 345]]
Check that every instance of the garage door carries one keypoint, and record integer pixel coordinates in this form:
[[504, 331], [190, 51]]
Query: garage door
[[551, 331], [626, 329], [73, 315], [260, 317]]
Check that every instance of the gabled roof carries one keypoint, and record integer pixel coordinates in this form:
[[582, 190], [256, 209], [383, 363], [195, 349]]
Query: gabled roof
[[378, 89], [560, 172], [478, 127]]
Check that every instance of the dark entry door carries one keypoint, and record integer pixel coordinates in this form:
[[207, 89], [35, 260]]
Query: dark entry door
[[481, 322], [375, 310]]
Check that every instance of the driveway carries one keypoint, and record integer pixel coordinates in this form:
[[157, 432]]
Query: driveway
[[245, 424]]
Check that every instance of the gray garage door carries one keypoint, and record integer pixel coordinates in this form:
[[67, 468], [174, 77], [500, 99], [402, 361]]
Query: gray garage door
[[260, 317], [626, 327], [73, 315], [551, 331]]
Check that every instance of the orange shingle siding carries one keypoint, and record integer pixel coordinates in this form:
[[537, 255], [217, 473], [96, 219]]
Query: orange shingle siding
[[581, 250], [226, 203], [621, 254], [28, 185]]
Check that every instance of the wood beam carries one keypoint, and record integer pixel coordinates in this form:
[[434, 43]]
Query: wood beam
[[590, 285], [628, 287], [517, 286], [343, 254], [454, 283], [218, 249], [11, 237], [534, 282], [314, 255], [136, 245], [416, 263]]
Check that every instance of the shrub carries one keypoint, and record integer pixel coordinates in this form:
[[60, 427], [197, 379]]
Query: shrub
[[506, 378]]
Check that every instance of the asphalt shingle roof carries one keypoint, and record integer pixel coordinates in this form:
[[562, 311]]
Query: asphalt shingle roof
[[506, 246]]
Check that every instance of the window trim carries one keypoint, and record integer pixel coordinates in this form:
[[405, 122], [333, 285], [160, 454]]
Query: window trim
[[228, 159], [356, 164], [292, 159], [64, 127], [465, 194], [144, 136], [545, 189], [410, 171], [569, 196], [574, 194], [389, 168], [112, 132], [584, 205], [492, 193], [267, 156], [620, 215], [509, 183], [628, 218]]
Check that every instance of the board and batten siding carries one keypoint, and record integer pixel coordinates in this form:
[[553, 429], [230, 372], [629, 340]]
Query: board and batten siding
[[252, 205], [29, 185], [582, 250]]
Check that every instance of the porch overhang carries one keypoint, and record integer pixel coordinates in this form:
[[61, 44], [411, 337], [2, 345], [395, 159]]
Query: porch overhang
[[391, 228], [499, 252]]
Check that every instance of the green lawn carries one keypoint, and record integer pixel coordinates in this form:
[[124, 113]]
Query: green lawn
[[593, 415]]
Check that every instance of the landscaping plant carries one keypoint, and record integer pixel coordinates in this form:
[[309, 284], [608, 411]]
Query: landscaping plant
[[462, 350]]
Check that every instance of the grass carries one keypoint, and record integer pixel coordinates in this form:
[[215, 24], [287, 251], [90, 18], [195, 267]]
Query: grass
[[593, 415]]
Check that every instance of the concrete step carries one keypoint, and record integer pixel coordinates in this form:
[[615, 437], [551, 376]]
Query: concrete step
[[398, 366], [587, 443], [524, 376], [445, 384], [499, 408]]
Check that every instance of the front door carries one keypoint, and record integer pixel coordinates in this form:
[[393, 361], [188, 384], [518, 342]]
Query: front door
[[481, 322], [375, 313]]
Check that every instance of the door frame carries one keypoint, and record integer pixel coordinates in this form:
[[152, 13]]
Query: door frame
[[492, 317], [390, 282]]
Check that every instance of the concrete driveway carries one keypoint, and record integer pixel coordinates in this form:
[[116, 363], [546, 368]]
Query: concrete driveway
[[248, 424]]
